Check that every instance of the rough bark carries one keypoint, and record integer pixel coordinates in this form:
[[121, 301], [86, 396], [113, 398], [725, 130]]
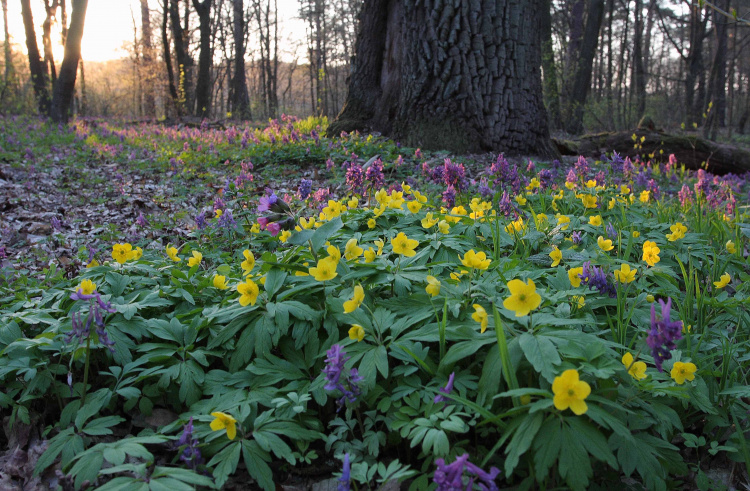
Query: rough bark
[[39, 75], [184, 60], [240, 97], [66, 81], [717, 78], [551, 92], [461, 76], [203, 83], [583, 67], [49, 58], [149, 102]]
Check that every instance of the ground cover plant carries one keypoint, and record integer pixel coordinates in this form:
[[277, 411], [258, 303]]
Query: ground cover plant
[[289, 307]]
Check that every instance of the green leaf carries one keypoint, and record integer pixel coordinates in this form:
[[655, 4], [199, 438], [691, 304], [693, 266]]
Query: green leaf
[[547, 446], [274, 281], [325, 232], [56, 446], [227, 460], [101, 426], [117, 283], [381, 361], [521, 441], [255, 461], [541, 353]]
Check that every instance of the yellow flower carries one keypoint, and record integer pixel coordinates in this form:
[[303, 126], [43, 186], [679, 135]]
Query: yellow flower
[[678, 232], [444, 227], [433, 286], [480, 315], [414, 206], [307, 224], [643, 198], [570, 392], [370, 255], [556, 256], [683, 371], [579, 300], [404, 245], [218, 213], [419, 196], [137, 253], [636, 370], [625, 274], [87, 287], [255, 228], [611, 204], [352, 203], [588, 201], [352, 250], [397, 200], [249, 263], [595, 220], [523, 297], [172, 253], [382, 196], [731, 249], [196, 259], [371, 223], [325, 269], [723, 281], [516, 226], [284, 236], [94, 263], [457, 276], [478, 260], [429, 221], [574, 276], [122, 252], [334, 252], [220, 282], [520, 200], [380, 245], [353, 304], [604, 244], [636, 234], [591, 183], [651, 253], [357, 332], [223, 420], [563, 222], [248, 292]]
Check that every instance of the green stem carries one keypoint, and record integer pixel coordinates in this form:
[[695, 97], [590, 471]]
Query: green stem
[[86, 368]]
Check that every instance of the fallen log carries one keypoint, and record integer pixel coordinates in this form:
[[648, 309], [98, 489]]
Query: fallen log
[[691, 150]]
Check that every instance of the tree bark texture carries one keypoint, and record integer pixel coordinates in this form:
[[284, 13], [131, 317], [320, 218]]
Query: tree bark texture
[[583, 67], [149, 101], [717, 78], [184, 60], [39, 76], [461, 76], [168, 56], [203, 84], [66, 80], [240, 97], [551, 92]]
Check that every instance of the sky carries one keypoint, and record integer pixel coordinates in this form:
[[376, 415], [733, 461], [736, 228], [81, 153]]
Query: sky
[[109, 25]]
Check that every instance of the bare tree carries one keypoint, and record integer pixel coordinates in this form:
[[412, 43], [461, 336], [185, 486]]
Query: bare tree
[[240, 98], [39, 74], [205, 59], [149, 102], [65, 86]]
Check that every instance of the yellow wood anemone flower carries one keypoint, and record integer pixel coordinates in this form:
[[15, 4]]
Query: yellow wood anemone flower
[[556, 256], [433, 286], [570, 392], [122, 252], [172, 253], [477, 260], [637, 369], [651, 253], [87, 287], [683, 371], [222, 421], [196, 259], [596, 220], [357, 332], [731, 248], [723, 281], [480, 315], [523, 297], [325, 269], [604, 244], [352, 250], [248, 292], [404, 245], [625, 274], [249, 263], [574, 275], [356, 301], [220, 282]]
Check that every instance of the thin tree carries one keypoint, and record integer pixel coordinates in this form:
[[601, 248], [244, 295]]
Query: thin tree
[[147, 56], [39, 74], [461, 76], [9, 70], [203, 83], [240, 98], [65, 86], [167, 55]]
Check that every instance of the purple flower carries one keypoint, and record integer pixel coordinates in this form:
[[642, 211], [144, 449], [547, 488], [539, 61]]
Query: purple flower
[[304, 189], [575, 237], [449, 477], [449, 197], [571, 178], [531, 168], [56, 224], [226, 220], [445, 390], [141, 220], [685, 194], [582, 167], [345, 475], [374, 175], [266, 202], [219, 204], [484, 189], [596, 278], [611, 232], [336, 380], [454, 175], [354, 177], [663, 334], [200, 220], [418, 153], [191, 454]]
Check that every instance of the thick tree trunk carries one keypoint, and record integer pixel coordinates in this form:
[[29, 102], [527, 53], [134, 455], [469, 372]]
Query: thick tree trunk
[[184, 61], [203, 84], [450, 75], [717, 79], [38, 69], [149, 102], [240, 97], [66, 81], [168, 57], [49, 58], [551, 92], [583, 67]]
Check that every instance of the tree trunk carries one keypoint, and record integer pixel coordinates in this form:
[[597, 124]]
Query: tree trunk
[[638, 81], [717, 79], [203, 84], [149, 103], [694, 61], [49, 58], [66, 82], [583, 66], [168, 58], [9, 72], [454, 75], [240, 97], [551, 93], [184, 61], [84, 99], [38, 69]]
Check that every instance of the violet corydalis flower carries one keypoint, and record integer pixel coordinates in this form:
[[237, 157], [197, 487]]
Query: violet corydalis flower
[[345, 475], [445, 390], [449, 477], [304, 189], [663, 334], [141, 220], [334, 372], [191, 454]]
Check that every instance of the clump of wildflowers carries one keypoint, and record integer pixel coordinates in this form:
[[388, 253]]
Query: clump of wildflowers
[[86, 291], [348, 385], [450, 477], [304, 189], [191, 454], [663, 334], [596, 278]]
